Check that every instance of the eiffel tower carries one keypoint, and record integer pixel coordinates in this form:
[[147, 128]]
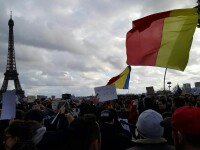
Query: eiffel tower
[[11, 70]]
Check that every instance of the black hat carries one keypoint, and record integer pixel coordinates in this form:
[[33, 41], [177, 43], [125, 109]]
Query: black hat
[[106, 115]]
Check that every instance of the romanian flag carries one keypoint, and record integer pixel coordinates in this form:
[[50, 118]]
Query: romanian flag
[[122, 80], [163, 39]]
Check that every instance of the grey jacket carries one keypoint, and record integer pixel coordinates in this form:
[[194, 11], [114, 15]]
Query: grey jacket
[[151, 144]]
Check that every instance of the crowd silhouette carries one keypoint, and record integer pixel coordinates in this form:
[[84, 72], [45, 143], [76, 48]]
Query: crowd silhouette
[[130, 122]]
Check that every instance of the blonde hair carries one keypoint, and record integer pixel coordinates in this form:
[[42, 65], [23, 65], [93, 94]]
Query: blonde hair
[[69, 117]]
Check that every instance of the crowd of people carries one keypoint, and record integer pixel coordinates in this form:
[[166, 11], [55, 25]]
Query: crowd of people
[[130, 122]]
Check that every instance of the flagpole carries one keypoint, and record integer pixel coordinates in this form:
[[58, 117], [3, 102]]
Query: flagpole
[[164, 80]]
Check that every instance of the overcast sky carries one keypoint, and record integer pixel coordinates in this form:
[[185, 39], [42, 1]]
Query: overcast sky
[[72, 46]]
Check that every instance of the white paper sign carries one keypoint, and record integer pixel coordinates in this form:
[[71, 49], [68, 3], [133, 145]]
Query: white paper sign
[[55, 103], [9, 105], [106, 93]]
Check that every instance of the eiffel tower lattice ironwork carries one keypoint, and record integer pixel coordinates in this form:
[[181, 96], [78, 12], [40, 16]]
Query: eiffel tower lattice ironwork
[[11, 70]]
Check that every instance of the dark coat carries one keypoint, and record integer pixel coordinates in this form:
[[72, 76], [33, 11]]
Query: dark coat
[[53, 140], [112, 138]]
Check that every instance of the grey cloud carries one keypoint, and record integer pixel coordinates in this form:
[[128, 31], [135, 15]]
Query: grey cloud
[[73, 46]]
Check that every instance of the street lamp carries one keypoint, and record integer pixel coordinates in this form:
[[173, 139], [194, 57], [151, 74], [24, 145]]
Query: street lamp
[[169, 85]]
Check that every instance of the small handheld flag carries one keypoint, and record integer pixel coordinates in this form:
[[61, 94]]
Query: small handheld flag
[[122, 80]]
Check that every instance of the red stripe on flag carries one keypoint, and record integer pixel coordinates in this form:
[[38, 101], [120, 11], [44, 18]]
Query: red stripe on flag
[[143, 41], [113, 79]]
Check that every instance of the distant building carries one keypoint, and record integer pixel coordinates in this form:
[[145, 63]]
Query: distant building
[[186, 85], [187, 88], [197, 84]]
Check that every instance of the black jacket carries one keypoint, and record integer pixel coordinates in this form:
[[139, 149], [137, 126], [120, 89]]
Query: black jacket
[[112, 138]]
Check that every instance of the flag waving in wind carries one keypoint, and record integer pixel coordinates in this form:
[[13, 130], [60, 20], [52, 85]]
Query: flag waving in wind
[[122, 80], [178, 91], [163, 39]]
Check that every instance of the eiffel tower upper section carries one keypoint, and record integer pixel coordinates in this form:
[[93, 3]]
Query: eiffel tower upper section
[[11, 69]]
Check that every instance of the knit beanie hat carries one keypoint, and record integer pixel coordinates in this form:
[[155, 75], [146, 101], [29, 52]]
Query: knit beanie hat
[[148, 124]]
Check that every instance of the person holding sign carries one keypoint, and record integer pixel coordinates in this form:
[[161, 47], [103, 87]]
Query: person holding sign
[[43, 138]]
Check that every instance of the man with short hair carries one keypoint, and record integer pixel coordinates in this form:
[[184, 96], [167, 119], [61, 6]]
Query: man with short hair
[[162, 106], [84, 133], [185, 123], [176, 103]]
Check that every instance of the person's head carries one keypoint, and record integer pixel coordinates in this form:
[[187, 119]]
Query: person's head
[[162, 104], [107, 116], [84, 133], [185, 123], [117, 105], [19, 114], [176, 103], [148, 124], [198, 102], [148, 103], [34, 115], [18, 132]]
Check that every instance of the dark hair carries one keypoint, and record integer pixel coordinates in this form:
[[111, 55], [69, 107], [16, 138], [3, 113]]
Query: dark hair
[[82, 132], [148, 103], [198, 103], [34, 114], [194, 140], [20, 129], [20, 114], [178, 102], [163, 100]]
